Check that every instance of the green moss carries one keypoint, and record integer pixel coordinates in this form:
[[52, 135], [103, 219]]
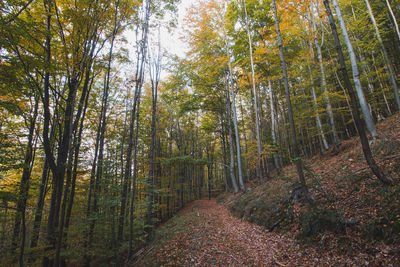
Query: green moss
[[315, 220]]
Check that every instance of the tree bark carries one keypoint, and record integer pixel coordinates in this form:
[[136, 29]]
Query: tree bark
[[394, 19], [360, 126], [231, 142], [155, 72], [356, 74], [324, 86], [235, 124], [388, 61], [259, 149], [273, 124], [296, 153], [24, 187]]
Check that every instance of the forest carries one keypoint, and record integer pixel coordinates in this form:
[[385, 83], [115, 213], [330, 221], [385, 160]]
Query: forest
[[285, 111]]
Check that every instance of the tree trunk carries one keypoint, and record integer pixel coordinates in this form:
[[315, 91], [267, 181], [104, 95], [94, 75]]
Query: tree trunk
[[389, 64], [224, 157], [24, 187], [155, 72], [356, 75], [317, 117], [296, 153], [235, 124], [360, 126], [332, 125], [394, 19], [273, 124], [141, 58], [259, 149], [231, 141]]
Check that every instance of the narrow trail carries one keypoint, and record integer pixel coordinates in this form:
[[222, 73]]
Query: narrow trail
[[205, 234]]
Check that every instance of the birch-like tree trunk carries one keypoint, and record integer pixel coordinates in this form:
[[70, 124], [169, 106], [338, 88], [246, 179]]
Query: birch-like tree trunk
[[354, 106], [315, 104], [259, 168], [356, 74], [318, 119], [393, 18], [235, 123], [231, 141], [332, 125], [389, 64]]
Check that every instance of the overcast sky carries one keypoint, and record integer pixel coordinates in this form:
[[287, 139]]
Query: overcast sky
[[171, 40]]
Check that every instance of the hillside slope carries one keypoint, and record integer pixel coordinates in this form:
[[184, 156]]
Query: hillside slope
[[353, 213]]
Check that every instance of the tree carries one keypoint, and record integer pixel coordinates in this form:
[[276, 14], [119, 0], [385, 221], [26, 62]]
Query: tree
[[385, 56], [356, 75], [296, 154], [361, 131], [259, 168]]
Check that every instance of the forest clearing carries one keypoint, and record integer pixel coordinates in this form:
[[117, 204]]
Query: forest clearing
[[204, 132]]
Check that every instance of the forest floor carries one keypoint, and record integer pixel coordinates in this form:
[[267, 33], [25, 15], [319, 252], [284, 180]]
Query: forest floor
[[205, 234], [355, 221]]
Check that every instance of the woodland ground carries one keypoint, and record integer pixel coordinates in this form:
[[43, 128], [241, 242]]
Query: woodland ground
[[355, 221]]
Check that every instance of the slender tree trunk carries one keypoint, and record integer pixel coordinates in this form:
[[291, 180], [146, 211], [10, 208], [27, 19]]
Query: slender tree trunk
[[273, 124], [231, 149], [102, 130], [24, 187], [155, 72], [389, 64], [223, 145], [210, 157], [360, 126], [356, 75], [76, 145], [235, 124], [40, 204], [317, 117], [394, 19], [141, 57], [332, 125], [259, 149], [296, 153]]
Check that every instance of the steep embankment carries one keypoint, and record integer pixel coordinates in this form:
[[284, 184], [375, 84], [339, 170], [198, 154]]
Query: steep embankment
[[353, 213], [354, 221]]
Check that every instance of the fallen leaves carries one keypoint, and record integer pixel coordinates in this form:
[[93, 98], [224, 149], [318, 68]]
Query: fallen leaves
[[214, 237]]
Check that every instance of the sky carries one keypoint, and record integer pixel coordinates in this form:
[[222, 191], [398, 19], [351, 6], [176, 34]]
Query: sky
[[171, 40]]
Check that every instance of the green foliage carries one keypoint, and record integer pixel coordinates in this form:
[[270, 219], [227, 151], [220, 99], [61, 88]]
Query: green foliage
[[185, 160], [386, 225], [316, 220], [268, 206]]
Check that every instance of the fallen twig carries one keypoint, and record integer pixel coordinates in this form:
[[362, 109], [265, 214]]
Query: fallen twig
[[221, 252], [385, 158]]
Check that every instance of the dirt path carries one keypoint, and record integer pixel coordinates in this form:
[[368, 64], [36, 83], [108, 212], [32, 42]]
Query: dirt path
[[206, 234]]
